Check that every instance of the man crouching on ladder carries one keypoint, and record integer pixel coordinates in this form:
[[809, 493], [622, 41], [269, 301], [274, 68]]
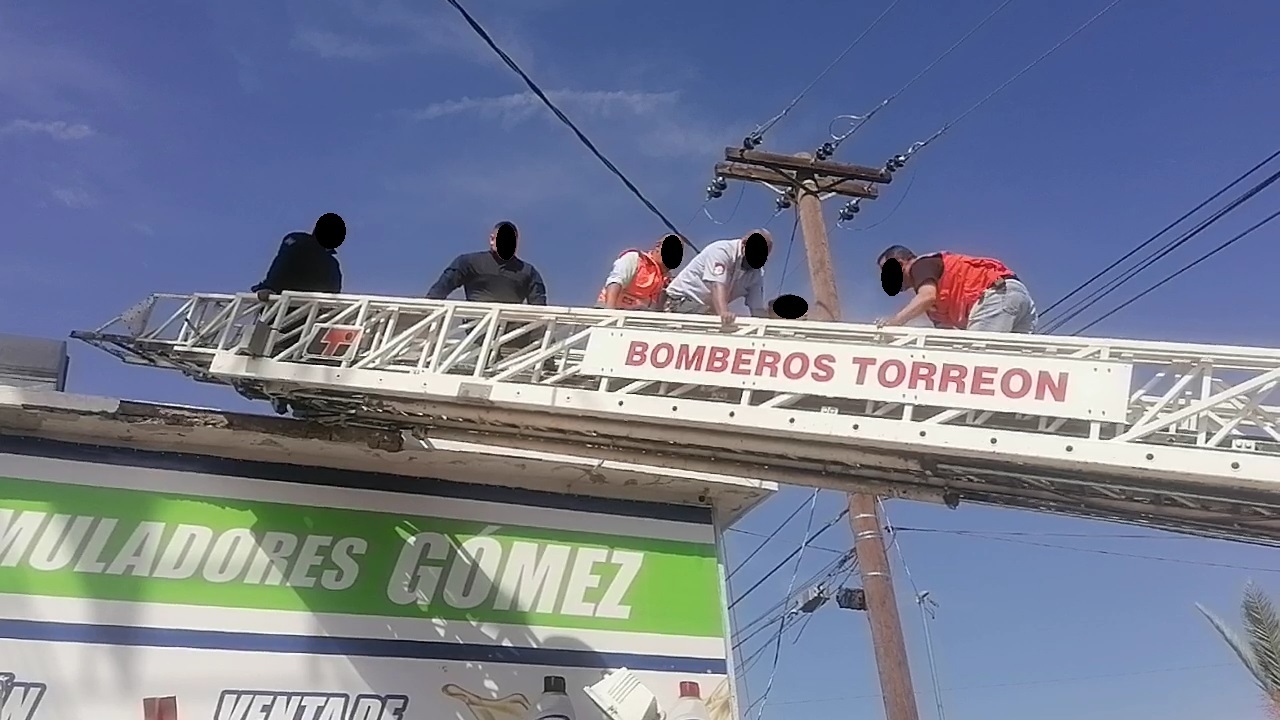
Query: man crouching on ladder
[[957, 291]]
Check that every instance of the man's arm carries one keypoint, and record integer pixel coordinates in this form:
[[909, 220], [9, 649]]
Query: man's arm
[[274, 281], [337, 278], [453, 277], [922, 303], [755, 297], [537, 289], [716, 277], [623, 272]]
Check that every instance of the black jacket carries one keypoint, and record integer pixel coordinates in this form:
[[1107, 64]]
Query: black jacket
[[485, 277], [302, 265]]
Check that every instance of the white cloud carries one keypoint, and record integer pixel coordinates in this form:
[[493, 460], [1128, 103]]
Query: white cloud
[[661, 128], [519, 107], [56, 129], [332, 46], [396, 28], [73, 197]]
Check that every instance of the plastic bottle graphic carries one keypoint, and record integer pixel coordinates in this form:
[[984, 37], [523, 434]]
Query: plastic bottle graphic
[[554, 703], [690, 705]]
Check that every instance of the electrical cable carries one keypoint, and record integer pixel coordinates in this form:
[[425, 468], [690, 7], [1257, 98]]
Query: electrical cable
[[742, 188], [751, 533], [484, 35], [756, 137], [828, 149], [1098, 551], [926, 615], [1025, 533], [795, 552], [782, 607], [1181, 270], [911, 181], [772, 534], [791, 586], [1097, 295], [786, 262], [1024, 683], [1166, 229], [917, 147]]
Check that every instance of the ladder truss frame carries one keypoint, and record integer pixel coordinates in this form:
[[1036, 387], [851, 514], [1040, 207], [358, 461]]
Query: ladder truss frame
[[1198, 452]]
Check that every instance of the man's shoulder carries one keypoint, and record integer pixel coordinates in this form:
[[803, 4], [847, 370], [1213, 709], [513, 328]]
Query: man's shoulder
[[295, 239]]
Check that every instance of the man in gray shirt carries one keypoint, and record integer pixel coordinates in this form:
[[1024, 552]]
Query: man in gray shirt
[[721, 274]]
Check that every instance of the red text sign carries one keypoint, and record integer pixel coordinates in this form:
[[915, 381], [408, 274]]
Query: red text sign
[[1058, 387]]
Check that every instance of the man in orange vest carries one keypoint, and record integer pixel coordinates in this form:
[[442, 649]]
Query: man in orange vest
[[639, 278], [957, 291]]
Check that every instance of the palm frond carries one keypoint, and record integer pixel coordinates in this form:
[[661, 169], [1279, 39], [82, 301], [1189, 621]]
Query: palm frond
[[1236, 643], [1263, 626]]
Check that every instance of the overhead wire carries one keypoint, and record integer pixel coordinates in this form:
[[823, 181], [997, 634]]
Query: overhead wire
[[785, 560], [791, 587], [1023, 683], [829, 149], [533, 87], [757, 136], [917, 147], [1183, 269], [786, 262], [1114, 284], [773, 534], [1099, 551], [926, 614], [1116, 263], [752, 533]]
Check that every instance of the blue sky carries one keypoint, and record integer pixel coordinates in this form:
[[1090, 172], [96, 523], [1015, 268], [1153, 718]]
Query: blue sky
[[169, 148]]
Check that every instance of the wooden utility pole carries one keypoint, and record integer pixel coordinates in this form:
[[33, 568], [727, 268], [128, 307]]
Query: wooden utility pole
[[809, 180]]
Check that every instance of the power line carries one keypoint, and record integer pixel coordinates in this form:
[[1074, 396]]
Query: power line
[[484, 35], [773, 534], [828, 149], [782, 607], [757, 136], [795, 552], [1024, 683], [791, 588], [1099, 551], [1182, 270], [786, 262], [1027, 533], [1097, 295], [942, 130], [754, 534], [1166, 229]]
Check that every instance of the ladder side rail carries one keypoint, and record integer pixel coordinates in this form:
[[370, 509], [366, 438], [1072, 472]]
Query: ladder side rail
[[1127, 350]]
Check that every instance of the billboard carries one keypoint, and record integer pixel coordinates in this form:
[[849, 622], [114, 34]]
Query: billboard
[[250, 598]]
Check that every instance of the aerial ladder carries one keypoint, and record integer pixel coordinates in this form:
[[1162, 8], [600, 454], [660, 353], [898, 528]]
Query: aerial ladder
[[1169, 435]]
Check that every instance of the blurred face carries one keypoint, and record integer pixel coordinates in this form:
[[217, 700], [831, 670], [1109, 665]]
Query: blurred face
[[502, 240], [756, 248]]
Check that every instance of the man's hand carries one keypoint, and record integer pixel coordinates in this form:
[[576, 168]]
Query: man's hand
[[264, 295], [884, 322], [727, 317]]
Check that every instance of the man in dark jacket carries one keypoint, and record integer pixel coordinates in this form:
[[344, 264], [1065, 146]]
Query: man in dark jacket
[[496, 276], [307, 262]]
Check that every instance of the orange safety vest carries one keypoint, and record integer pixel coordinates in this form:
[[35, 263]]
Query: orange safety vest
[[645, 288], [963, 281]]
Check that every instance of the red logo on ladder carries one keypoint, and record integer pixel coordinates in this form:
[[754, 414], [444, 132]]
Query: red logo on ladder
[[334, 342], [160, 708]]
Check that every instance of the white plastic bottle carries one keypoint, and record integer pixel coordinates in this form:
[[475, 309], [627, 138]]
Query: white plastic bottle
[[554, 702], [690, 705]]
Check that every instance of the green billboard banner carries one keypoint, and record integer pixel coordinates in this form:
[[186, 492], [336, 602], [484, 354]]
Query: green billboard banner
[[106, 543]]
